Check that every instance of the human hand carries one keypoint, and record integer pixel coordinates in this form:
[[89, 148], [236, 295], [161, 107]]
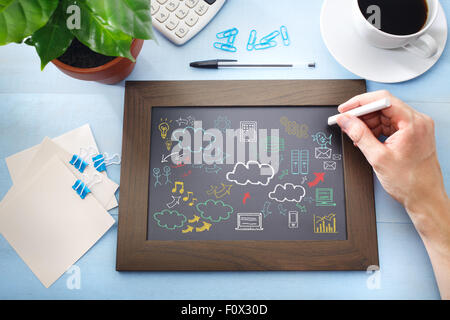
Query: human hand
[[406, 163]]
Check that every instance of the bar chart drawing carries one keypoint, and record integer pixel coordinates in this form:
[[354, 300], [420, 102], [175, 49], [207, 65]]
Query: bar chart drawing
[[326, 224]]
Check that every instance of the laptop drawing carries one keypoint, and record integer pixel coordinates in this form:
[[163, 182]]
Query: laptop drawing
[[249, 221]]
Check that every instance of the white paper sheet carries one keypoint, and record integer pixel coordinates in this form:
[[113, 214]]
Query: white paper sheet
[[49, 225], [71, 141]]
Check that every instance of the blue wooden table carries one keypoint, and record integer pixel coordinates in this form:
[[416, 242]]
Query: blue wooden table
[[36, 104]]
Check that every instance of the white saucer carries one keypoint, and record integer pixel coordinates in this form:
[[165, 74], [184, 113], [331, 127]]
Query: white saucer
[[369, 62]]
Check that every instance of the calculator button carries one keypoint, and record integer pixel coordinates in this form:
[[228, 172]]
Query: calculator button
[[210, 1], [201, 9], [182, 12], [162, 1], [182, 30], [154, 8], [191, 19], [172, 23], [162, 15], [172, 5], [191, 3]]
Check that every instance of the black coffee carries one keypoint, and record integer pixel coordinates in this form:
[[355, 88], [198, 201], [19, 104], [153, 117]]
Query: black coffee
[[399, 17]]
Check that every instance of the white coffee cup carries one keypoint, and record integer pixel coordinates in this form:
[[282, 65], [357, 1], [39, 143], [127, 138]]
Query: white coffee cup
[[419, 43]]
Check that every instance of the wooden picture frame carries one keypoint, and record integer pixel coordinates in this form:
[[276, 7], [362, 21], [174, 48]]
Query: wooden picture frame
[[135, 252]]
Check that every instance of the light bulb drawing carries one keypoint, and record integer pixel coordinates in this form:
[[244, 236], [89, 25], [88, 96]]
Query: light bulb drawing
[[164, 128]]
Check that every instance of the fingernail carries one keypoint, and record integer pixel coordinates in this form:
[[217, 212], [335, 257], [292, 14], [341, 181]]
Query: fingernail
[[344, 121]]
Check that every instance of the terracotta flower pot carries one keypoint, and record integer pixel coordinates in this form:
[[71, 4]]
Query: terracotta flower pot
[[109, 73]]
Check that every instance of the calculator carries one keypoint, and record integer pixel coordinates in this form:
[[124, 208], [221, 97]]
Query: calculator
[[180, 20]]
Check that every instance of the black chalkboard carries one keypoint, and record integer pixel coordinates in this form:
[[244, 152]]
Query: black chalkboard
[[250, 173]]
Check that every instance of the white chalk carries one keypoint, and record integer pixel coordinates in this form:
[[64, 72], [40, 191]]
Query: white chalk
[[363, 110]]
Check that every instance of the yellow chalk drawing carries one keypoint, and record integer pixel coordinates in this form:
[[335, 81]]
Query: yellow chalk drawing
[[194, 219], [205, 226], [188, 229], [164, 127], [175, 188], [326, 224]]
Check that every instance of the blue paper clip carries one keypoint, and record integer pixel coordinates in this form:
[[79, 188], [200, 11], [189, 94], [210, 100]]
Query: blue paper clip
[[101, 161], [227, 33], [251, 40], [225, 47], [265, 45], [83, 189], [285, 36], [270, 37]]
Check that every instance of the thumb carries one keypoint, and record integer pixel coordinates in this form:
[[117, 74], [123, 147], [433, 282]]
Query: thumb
[[362, 137]]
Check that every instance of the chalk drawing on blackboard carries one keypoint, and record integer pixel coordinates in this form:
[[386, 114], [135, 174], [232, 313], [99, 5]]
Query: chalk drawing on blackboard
[[329, 165], [190, 198], [283, 174], [213, 169], [324, 197], [167, 173], [299, 161], [164, 127], [293, 220], [249, 131], [170, 219], [281, 210], [287, 192], [194, 219], [322, 152], [157, 174], [319, 176], [178, 184], [337, 157], [219, 192], [168, 144], [188, 229], [175, 201], [251, 172], [275, 144], [222, 123], [301, 207], [249, 221], [205, 227], [266, 209], [214, 210], [304, 179], [325, 224], [292, 128]]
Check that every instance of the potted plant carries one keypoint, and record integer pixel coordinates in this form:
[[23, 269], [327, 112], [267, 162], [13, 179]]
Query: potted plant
[[96, 40]]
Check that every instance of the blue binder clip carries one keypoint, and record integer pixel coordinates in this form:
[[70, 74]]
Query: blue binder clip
[[251, 40], [101, 161], [78, 160], [270, 37], [285, 36], [225, 47], [83, 189]]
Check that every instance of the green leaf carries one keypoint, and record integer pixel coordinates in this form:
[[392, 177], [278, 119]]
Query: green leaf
[[52, 40], [131, 16], [99, 35], [20, 18]]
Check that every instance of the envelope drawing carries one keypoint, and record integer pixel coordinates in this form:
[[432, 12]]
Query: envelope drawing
[[322, 153], [329, 165]]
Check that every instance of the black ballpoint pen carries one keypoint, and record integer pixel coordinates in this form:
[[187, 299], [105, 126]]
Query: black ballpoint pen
[[228, 63]]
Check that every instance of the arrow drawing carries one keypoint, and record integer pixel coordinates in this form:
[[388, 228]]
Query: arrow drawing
[[188, 229], [164, 158], [265, 210], [226, 189], [175, 201], [246, 196], [195, 219], [319, 177], [214, 169], [212, 190], [205, 226], [281, 209]]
